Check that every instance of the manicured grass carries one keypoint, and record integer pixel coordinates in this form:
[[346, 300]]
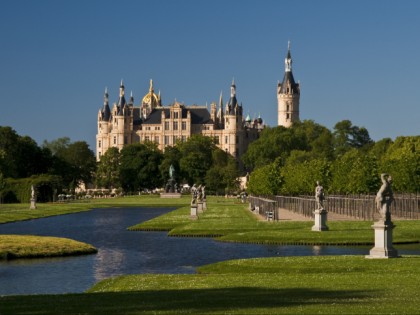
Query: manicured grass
[[230, 221], [27, 246], [19, 212], [283, 285]]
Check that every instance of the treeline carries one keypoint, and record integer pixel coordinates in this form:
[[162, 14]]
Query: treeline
[[61, 166], [345, 160], [51, 168], [143, 166]]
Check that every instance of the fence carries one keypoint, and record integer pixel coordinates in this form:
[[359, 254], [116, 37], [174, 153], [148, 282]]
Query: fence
[[405, 206], [265, 207]]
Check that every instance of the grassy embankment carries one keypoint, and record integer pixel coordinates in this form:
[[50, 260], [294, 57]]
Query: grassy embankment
[[228, 220], [28, 246], [282, 285], [17, 246]]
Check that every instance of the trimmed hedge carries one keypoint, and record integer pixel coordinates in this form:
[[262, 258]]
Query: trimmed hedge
[[19, 190]]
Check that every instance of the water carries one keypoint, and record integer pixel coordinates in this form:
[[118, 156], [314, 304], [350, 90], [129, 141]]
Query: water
[[126, 252]]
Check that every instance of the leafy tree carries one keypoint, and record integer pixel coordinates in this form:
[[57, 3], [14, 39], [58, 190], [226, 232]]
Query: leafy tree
[[355, 172], [301, 171], [171, 156], [402, 162], [139, 166], [266, 180], [108, 170], [347, 136], [196, 158], [2, 186], [273, 143], [222, 176]]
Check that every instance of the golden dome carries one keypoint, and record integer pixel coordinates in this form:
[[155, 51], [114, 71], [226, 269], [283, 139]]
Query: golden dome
[[151, 98]]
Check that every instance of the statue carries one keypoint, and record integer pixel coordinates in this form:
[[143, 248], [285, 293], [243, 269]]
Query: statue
[[171, 172], [319, 196], [203, 192], [200, 193], [384, 197], [32, 192], [171, 186], [33, 198], [194, 194]]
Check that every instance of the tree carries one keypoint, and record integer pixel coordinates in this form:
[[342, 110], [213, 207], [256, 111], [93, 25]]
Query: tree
[[222, 176], [2, 186], [171, 156], [108, 170], [266, 180], [301, 172], [196, 158], [347, 136], [402, 162], [139, 166], [355, 172]]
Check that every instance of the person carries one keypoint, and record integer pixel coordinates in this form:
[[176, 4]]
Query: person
[[319, 195], [384, 197]]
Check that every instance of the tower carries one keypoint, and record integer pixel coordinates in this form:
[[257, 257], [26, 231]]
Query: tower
[[288, 95]]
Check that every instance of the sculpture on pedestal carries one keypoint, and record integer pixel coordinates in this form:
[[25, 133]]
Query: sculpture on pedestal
[[319, 196], [385, 197], [171, 185]]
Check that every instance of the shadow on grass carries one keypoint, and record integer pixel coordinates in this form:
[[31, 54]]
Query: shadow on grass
[[241, 300]]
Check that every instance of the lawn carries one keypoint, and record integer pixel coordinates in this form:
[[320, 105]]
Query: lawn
[[231, 221], [282, 285]]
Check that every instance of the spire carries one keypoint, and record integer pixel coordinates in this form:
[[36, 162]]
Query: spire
[[288, 59], [106, 96], [233, 88], [131, 98], [106, 113], [122, 88]]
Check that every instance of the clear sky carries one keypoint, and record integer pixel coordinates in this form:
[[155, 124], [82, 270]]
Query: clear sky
[[356, 60]]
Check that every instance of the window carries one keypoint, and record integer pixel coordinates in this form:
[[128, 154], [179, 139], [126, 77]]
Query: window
[[174, 139], [217, 139], [175, 125], [166, 140], [166, 125], [237, 139], [184, 125], [115, 139], [146, 138], [184, 138], [157, 139], [287, 107], [226, 139], [125, 140], [287, 116], [99, 143], [175, 115], [157, 128]]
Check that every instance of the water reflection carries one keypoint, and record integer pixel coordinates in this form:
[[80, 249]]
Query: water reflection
[[124, 252]]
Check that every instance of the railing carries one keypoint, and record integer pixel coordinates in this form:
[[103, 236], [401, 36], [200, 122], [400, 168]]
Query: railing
[[362, 207], [265, 207]]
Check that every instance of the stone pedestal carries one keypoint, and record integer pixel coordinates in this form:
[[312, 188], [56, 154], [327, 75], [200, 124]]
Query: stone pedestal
[[33, 204], [320, 220], [200, 207], [194, 212], [170, 195], [383, 241]]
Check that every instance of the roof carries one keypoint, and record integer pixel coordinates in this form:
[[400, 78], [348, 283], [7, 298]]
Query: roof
[[289, 79], [199, 115]]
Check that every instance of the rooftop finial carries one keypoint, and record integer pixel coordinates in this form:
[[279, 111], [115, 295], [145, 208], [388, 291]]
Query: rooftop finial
[[122, 82], [151, 85], [233, 81]]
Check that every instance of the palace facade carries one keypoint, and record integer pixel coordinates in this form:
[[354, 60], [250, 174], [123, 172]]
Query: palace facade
[[126, 123]]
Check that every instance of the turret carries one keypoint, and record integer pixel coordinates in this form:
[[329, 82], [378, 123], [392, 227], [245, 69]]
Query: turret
[[288, 95]]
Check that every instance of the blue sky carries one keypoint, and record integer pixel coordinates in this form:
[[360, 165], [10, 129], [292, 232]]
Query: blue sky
[[356, 60]]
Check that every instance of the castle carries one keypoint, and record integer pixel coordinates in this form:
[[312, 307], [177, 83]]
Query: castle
[[127, 123]]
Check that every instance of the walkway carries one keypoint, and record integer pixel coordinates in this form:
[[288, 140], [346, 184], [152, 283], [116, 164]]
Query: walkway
[[287, 215]]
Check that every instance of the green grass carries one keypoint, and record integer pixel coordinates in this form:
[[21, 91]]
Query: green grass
[[230, 221], [19, 212], [27, 246], [282, 285]]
